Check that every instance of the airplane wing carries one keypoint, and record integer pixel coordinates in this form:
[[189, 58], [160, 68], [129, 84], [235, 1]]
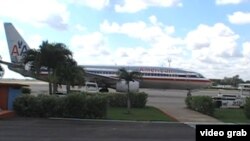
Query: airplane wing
[[10, 64], [108, 81]]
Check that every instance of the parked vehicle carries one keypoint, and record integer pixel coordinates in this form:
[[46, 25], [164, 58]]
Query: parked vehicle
[[229, 101], [91, 87]]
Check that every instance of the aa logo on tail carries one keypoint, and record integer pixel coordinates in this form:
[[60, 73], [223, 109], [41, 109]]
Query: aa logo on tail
[[19, 49]]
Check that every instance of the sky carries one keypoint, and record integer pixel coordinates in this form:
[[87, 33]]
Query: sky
[[211, 37]]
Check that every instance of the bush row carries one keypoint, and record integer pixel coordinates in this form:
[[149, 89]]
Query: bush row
[[75, 105], [203, 104], [138, 100], [72, 105]]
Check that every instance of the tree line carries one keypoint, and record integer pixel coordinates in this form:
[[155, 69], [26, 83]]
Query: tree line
[[233, 81]]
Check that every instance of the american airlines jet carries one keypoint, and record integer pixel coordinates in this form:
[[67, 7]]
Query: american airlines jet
[[105, 76]]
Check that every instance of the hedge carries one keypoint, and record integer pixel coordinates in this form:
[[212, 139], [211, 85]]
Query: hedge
[[188, 101], [75, 105], [203, 104], [70, 106], [138, 100], [247, 108]]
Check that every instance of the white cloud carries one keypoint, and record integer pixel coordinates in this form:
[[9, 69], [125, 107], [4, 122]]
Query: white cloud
[[105, 55], [139, 30], [206, 44], [34, 41], [224, 2], [93, 40], [154, 34], [153, 19], [91, 47], [134, 30], [133, 6], [215, 49], [239, 18], [170, 29], [95, 4], [218, 40], [38, 13], [80, 28], [246, 50]]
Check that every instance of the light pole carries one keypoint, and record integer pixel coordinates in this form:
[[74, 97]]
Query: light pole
[[169, 62]]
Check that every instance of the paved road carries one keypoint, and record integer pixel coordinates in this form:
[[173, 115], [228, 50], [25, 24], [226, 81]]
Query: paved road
[[30, 129]]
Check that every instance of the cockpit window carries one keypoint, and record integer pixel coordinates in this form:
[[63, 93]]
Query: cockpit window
[[200, 76]]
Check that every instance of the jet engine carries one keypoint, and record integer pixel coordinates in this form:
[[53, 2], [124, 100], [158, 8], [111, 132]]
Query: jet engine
[[122, 86]]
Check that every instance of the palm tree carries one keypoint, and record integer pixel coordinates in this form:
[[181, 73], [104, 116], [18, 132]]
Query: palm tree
[[70, 74], [123, 74], [78, 76], [33, 58], [46, 60], [49, 56], [53, 55]]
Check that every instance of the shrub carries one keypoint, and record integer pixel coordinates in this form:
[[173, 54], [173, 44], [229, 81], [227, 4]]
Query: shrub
[[96, 106], [72, 106], [26, 90], [138, 100], [58, 110], [203, 104], [117, 100], [24, 105], [188, 101], [47, 105], [247, 108]]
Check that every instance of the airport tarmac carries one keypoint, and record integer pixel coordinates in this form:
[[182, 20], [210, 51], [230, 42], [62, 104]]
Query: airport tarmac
[[171, 102]]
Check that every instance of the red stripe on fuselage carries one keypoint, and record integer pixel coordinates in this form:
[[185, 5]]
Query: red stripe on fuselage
[[174, 79]]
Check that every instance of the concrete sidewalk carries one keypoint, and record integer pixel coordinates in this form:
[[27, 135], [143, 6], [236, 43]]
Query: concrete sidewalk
[[182, 114], [172, 103]]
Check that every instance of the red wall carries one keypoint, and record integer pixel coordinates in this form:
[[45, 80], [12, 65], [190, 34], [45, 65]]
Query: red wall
[[4, 98]]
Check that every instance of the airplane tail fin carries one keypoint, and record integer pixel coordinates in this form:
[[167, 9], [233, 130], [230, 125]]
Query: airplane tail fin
[[17, 45]]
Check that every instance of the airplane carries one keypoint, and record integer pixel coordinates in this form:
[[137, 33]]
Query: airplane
[[106, 76]]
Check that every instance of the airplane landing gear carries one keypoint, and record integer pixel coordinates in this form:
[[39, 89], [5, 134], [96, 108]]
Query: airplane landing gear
[[104, 89], [189, 93]]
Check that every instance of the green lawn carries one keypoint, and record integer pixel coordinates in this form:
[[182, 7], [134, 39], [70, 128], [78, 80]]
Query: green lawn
[[137, 114], [231, 115]]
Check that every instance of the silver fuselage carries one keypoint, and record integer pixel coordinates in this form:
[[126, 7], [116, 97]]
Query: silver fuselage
[[156, 77]]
